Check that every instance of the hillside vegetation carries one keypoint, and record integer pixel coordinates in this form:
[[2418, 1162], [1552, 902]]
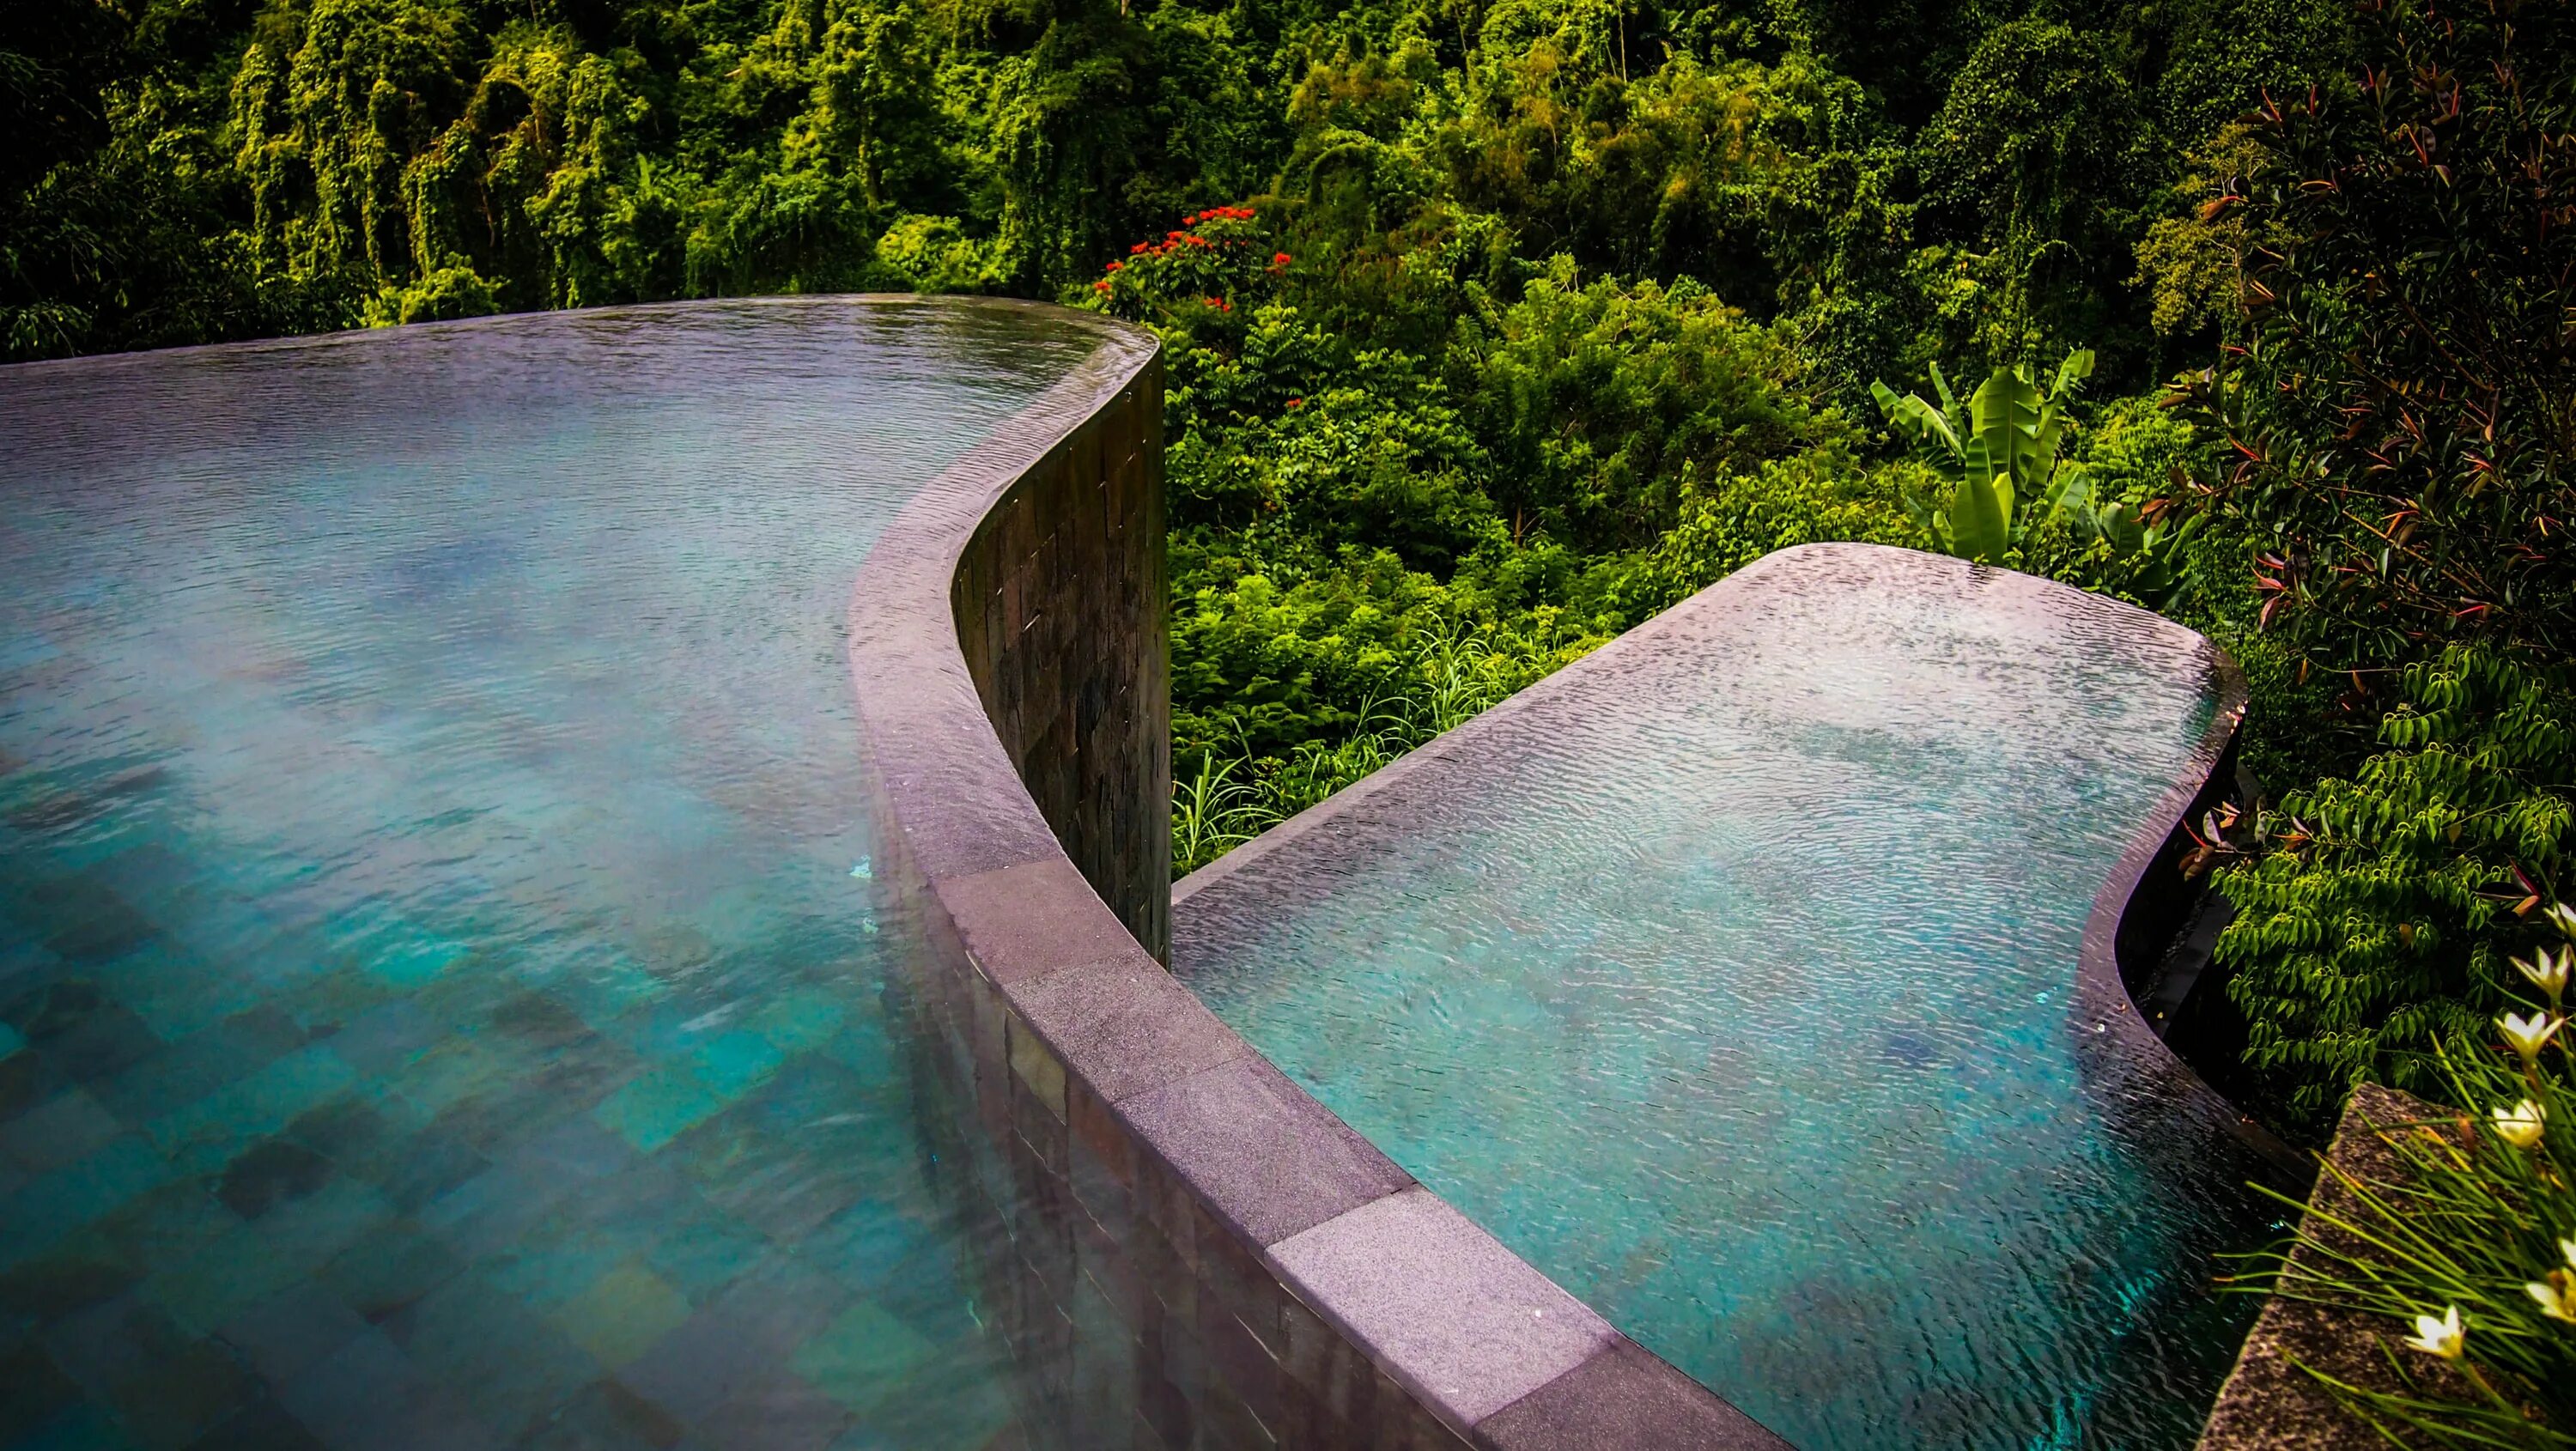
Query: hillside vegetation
[[1496, 327]]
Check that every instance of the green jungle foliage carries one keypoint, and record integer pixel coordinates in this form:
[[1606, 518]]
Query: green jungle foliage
[[2397, 407], [1495, 326], [1996, 455], [2379, 927]]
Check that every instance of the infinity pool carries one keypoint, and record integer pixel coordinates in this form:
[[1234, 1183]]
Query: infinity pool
[[442, 996], [1729, 978]]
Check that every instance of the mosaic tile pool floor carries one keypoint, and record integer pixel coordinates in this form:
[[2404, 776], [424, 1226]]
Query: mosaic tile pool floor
[[442, 1000]]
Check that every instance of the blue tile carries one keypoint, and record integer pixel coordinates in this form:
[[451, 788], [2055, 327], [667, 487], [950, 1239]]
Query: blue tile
[[659, 1107], [367, 1396], [114, 1341], [732, 1063], [491, 1211], [85, 1427], [52, 1205], [178, 1400], [382, 1039], [483, 1344], [65, 1129], [800, 1018], [607, 1416], [285, 1335], [393, 1267], [413, 962], [263, 1425], [733, 1341], [560, 1260], [233, 1272], [313, 1230], [862, 1357], [33, 1391], [706, 1252], [777, 1412], [206, 1133]]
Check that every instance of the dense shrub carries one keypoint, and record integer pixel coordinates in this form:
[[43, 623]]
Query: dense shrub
[[2377, 926], [2397, 407], [2401, 408], [1369, 543]]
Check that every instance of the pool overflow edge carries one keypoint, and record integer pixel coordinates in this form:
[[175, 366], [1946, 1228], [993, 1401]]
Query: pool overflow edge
[[1275, 1279]]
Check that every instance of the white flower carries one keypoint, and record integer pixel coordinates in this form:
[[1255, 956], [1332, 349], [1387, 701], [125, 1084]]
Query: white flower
[[2529, 1036], [2548, 971], [2555, 1301], [2567, 1247], [2444, 1337], [2563, 915], [2518, 1125]]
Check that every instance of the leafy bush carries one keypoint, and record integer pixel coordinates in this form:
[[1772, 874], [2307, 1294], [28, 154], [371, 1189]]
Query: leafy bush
[[2378, 924], [2397, 409], [1369, 544], [2391, 483], [1996, 455]]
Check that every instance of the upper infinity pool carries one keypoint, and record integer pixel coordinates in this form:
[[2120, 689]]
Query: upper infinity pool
[[442, 1001], [1730, 977]]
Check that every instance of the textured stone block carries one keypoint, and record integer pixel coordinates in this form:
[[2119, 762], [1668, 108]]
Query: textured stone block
[[1127, 1024], [1268, 1159], [1623, 1396], [1457, 1319]]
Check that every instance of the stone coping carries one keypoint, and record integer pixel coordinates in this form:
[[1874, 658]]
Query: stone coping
[[2268, 1403], [1500, 1355]]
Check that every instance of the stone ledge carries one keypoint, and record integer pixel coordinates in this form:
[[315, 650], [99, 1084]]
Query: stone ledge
[[2267, 1402]]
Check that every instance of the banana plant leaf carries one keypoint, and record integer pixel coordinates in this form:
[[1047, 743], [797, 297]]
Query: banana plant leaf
[[1980, 508], [1932, 432]]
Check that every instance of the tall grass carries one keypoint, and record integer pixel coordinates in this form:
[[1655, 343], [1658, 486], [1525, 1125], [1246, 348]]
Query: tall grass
[[1223, 801], [2469, 1239]]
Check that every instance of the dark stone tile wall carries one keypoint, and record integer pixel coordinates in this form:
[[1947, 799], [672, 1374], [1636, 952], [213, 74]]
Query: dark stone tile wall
[[1191, 1251], [1059, 600]]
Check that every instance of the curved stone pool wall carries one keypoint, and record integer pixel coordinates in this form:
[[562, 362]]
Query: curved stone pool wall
[[1206, 1255]]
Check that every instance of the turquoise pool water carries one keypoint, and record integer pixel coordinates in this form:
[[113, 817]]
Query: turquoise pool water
[[1729, 978], [442, 996]]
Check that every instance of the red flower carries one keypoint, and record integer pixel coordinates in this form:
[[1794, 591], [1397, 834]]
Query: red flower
[[1279, 261], [1296, 402], [1115, 267], [1139, 247], [1100, 286]]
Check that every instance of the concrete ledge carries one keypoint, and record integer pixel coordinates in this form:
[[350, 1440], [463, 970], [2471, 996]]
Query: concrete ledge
[[2268, 1403], [1211, 1255]]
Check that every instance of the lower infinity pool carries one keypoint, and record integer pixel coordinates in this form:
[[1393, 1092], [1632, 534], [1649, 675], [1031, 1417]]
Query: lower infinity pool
[[442, 1001], [1730, 979]]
